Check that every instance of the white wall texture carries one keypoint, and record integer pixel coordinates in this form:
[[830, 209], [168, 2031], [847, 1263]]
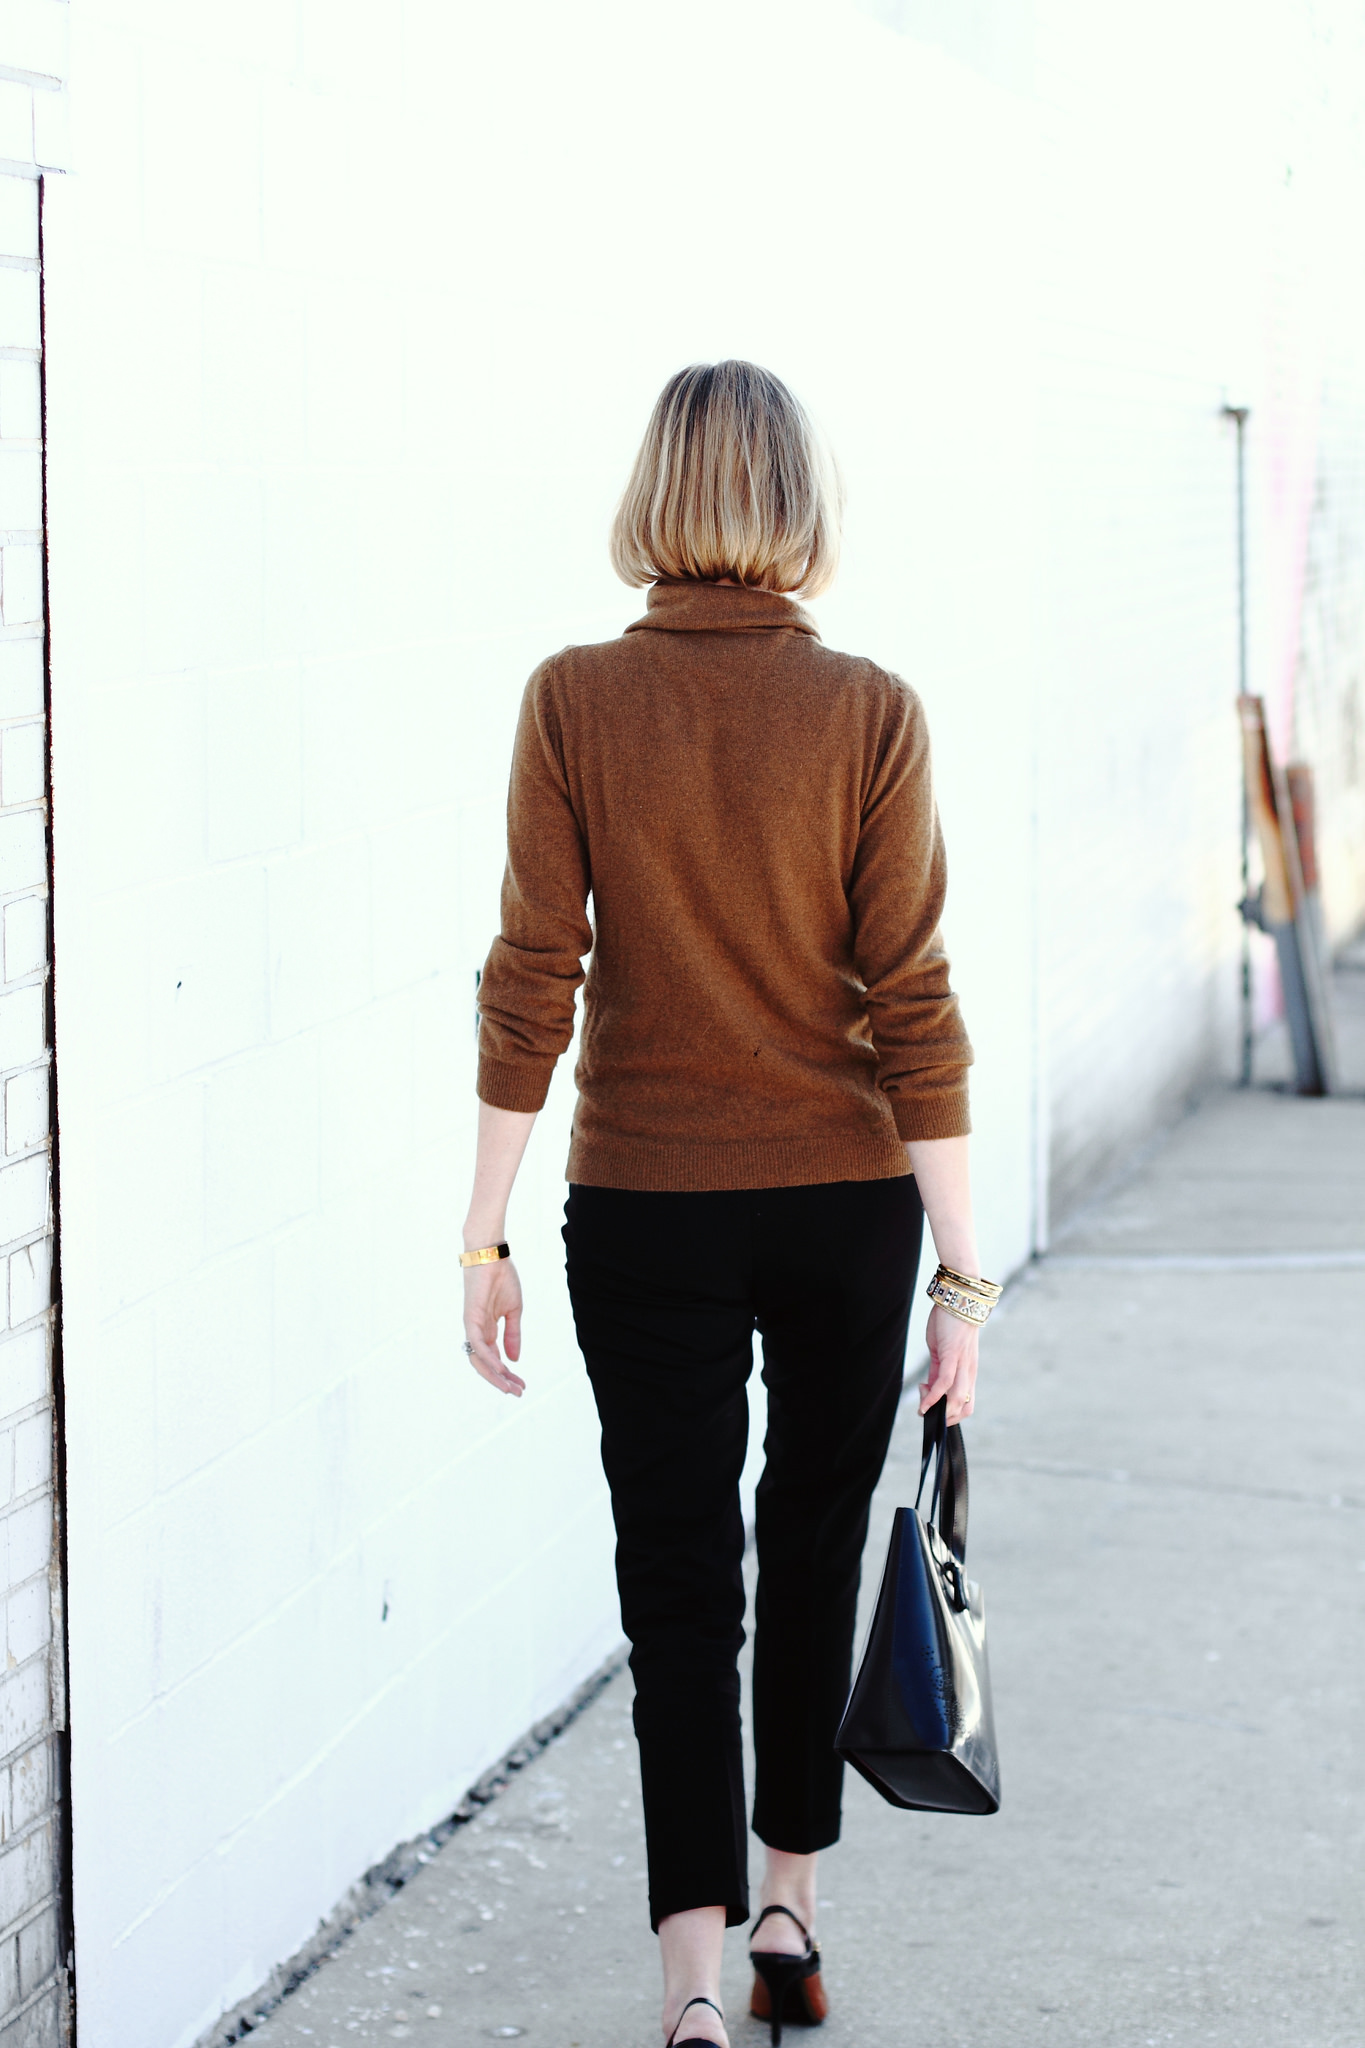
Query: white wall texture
[[33, 1988], [354, 316]]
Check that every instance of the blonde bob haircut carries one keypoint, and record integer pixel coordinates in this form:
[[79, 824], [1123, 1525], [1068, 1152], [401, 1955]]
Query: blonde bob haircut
[[730, 481]]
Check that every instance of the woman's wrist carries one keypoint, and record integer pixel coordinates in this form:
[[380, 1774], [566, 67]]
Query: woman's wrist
[[940, 1167], [483, 1230], [959, 1253]]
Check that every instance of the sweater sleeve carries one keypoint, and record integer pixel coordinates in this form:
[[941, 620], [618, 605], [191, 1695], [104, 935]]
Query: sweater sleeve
[[896, 897], [526, 994]]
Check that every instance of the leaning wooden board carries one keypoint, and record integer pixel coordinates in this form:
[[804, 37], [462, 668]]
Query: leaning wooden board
[[1282, 908]]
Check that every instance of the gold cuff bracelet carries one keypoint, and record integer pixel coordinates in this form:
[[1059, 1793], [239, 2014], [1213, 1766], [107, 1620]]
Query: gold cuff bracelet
[[487, 1255], [969, 1299]]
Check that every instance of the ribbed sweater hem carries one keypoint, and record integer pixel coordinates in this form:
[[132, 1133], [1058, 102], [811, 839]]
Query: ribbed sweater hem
[[941, 1116], [700, 1165], [514, 1084]]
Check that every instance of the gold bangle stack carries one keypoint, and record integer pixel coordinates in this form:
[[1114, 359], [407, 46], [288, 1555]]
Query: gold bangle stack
[[971, 1300], [486, 1255]]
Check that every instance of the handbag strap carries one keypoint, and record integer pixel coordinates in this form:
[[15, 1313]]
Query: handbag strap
[[948, 1501]]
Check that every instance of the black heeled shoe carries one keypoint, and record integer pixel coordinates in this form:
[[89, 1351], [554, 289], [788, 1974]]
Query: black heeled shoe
[[787, 1987], [695, 2041]]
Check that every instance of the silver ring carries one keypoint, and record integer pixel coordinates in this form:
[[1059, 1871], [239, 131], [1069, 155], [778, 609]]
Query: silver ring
[[467, 1348]]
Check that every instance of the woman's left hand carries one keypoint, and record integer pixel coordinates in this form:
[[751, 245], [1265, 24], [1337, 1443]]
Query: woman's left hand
[[492, 1295], [952, 1364]]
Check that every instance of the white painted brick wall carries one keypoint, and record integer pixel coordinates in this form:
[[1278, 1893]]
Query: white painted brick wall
[[332, 452], [33, 2004]]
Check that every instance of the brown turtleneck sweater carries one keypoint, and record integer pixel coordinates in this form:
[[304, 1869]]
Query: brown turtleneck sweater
[[767, 1001]]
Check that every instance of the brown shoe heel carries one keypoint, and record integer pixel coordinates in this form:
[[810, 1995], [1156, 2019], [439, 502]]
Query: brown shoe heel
[[787, 1987]]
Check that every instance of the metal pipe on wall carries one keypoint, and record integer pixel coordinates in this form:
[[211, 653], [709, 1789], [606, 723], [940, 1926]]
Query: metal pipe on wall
[[1240, 413]]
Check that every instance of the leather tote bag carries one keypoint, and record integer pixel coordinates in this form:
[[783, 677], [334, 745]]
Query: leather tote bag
[[918, 1724]]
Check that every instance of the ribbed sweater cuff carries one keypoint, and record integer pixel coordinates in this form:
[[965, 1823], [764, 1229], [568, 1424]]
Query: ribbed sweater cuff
[[940, 1116], [514, 1084]]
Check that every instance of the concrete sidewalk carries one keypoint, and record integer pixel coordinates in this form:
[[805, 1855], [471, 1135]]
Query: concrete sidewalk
[[1168, 1514]]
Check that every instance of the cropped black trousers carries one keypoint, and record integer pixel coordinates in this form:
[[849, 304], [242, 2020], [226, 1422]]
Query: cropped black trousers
[[667, 1292]]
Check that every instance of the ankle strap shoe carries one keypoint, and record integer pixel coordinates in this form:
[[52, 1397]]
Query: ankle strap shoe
[[693, 2041], [787, 1987]]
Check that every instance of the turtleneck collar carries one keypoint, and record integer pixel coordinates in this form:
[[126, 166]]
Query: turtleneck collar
[[686, 605]]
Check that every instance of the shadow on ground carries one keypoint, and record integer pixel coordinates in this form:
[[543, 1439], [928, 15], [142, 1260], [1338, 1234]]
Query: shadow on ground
[[1168, 1514]]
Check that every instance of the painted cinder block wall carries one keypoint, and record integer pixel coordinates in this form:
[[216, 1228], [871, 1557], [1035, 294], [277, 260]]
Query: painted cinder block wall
[[34, 1934], [353, 319]]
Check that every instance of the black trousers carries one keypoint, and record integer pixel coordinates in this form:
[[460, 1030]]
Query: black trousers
[[667, 1291]]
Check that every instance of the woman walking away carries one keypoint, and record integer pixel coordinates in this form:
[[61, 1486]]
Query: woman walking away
[[771, 1095]]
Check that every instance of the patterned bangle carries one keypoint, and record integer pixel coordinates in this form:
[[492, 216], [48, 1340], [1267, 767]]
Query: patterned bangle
[[487, 1255], [987, 1289], [970, 1300]]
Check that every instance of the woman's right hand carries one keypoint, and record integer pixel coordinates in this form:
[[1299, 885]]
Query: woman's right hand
[[492, 1295], [952, 1364]]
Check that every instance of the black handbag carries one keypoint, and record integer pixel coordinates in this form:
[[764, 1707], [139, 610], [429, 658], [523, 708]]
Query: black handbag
[[918, 1724]]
